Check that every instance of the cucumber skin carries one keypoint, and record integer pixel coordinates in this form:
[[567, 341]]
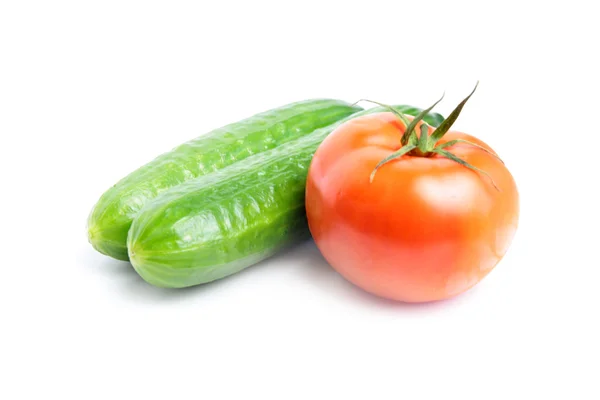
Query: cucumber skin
[[215, 226], [113, 214]]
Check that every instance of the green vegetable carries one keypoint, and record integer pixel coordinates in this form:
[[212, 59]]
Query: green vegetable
[[217, 225], [111, 217]]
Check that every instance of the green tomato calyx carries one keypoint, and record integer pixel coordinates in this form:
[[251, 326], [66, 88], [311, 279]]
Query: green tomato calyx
[[426, 145]]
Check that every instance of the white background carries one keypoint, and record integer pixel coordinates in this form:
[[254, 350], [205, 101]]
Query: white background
[[91, 90]]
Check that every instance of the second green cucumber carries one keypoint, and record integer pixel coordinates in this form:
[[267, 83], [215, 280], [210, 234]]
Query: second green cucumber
[[111, 217]]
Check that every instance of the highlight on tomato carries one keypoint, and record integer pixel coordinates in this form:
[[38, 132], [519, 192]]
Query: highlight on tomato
[[408, 212]]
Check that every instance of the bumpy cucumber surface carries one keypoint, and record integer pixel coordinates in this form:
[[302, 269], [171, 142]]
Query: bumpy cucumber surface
[[217, 225], [111, 217]]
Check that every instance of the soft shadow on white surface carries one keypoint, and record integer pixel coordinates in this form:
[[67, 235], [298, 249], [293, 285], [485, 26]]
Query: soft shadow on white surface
[[302, 264]]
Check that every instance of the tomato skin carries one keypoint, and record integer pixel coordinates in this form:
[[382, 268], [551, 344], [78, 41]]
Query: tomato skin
[[424, 229]]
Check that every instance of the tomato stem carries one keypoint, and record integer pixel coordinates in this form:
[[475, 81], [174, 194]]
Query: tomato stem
[[410, 129], [425, 145]]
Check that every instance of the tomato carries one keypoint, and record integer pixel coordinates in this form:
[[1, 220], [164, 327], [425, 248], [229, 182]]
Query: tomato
[[426, 227]]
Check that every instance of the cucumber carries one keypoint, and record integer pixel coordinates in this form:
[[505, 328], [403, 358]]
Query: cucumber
[[111, 217], [217, 225]]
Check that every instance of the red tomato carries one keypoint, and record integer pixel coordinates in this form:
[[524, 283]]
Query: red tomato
[[426, 228]]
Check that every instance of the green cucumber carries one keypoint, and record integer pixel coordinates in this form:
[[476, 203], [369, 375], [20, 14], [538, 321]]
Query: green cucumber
[[217, 225], [111, 217]]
